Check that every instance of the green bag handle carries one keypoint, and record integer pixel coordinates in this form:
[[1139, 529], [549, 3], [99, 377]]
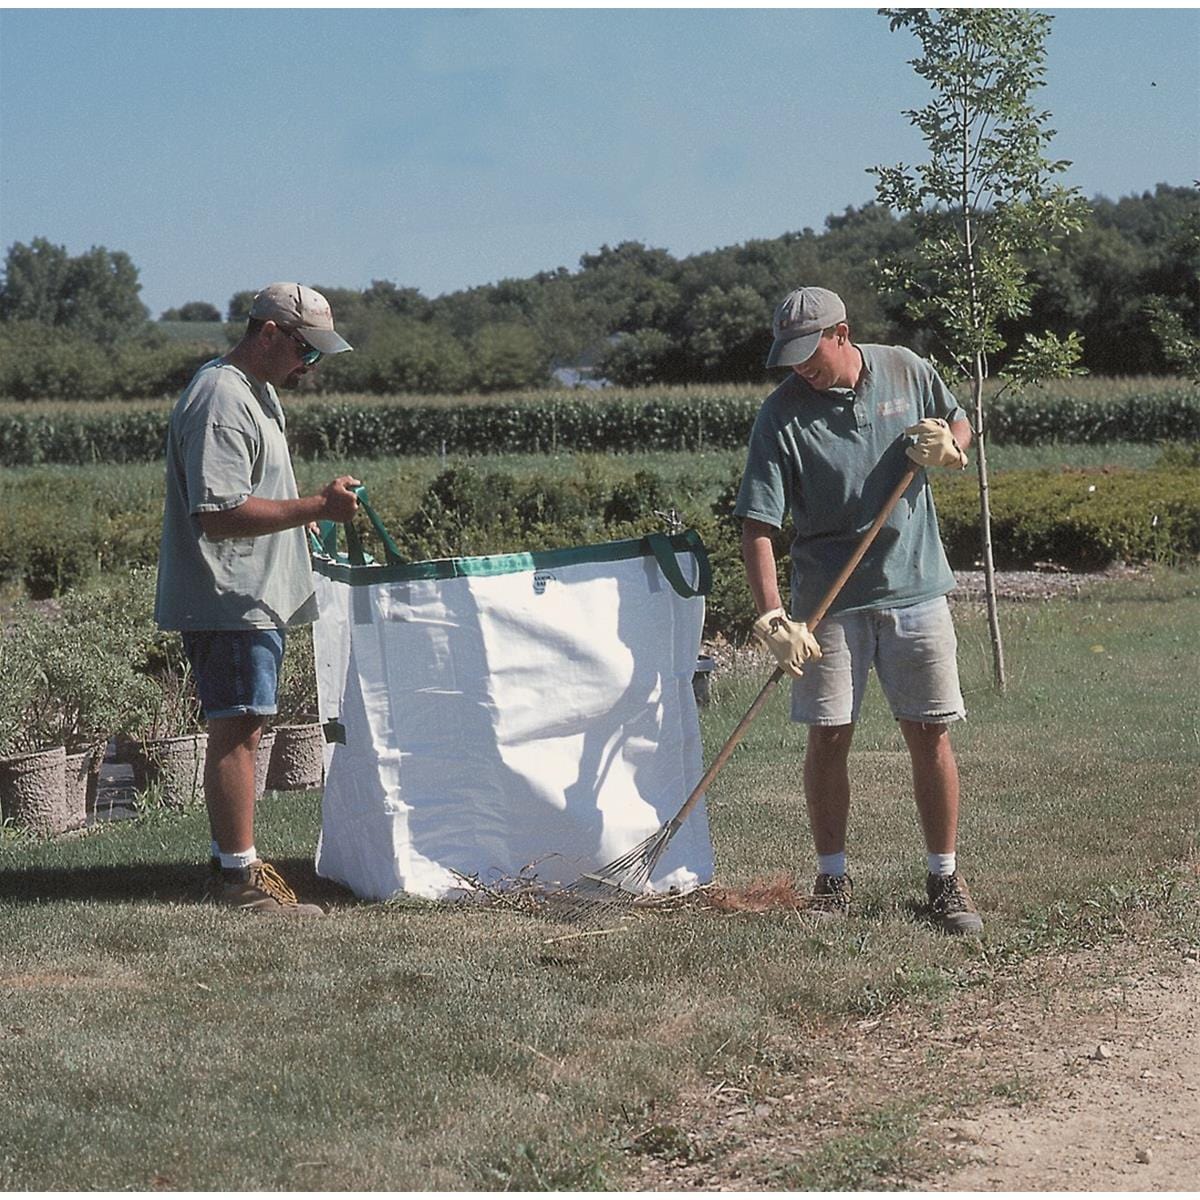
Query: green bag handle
[[660, 544], [326, 541]]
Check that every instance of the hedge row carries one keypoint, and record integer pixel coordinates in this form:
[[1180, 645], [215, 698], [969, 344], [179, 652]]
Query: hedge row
[[55, 535], [1033, 419], [712, 421], [1082, 519]]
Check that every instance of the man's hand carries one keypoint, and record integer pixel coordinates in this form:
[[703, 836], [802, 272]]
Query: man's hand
[[789, 641], [935, 445], [340, 502]]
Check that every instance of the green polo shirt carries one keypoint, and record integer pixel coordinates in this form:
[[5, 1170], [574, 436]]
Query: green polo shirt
[[225, 443], [832, 459]]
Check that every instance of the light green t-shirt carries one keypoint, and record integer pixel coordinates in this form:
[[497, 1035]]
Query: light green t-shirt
[[832, 459], [225, 443]]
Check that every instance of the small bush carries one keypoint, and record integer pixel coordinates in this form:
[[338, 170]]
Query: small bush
[[636, 500], [77, 674], [1082, 519]]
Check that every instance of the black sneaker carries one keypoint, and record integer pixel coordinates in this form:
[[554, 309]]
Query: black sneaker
[[950, 905], [830, 899]]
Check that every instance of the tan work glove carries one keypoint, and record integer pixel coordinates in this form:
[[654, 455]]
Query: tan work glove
[[935, 445], [789, 641]]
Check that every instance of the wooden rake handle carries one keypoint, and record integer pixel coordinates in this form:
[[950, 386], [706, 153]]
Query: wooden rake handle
[[817, 617]]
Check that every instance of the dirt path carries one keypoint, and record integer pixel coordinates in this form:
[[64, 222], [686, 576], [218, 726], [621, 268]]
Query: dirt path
[[1069, 1072], [1115, 1074]]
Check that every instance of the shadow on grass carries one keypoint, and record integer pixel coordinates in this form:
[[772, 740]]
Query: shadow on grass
[[160, 882]]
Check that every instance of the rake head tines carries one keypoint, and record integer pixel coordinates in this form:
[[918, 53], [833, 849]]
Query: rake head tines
[[603, 896]]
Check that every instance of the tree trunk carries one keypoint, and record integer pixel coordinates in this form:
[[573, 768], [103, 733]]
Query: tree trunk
[[985, 529]]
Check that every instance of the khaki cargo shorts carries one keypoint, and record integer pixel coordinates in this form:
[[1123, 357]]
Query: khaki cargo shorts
[[913, 651]]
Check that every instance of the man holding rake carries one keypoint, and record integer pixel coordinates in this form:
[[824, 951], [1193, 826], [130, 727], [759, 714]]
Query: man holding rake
[[829, 445]]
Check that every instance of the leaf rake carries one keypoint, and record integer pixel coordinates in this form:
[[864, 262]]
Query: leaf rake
[[603, 896]]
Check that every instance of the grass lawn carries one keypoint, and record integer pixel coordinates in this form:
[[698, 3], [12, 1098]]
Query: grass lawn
[[150, 1042]]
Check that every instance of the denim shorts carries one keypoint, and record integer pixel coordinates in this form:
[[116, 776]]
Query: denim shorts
[[913, 651], [236, 670]]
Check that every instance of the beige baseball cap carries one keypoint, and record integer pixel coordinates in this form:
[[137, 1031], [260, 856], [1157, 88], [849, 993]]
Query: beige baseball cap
[[299, 308], [799, 320]]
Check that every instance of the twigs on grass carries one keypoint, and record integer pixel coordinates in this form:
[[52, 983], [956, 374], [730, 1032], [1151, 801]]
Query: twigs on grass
[[527, 895], [522, 893], [567, 937], [770, 894]]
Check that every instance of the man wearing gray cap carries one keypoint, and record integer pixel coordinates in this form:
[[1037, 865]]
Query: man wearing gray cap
[[233, 566], [828, 447]]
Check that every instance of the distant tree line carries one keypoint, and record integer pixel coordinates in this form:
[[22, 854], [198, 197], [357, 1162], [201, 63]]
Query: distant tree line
[[75, 327], [194, 310]]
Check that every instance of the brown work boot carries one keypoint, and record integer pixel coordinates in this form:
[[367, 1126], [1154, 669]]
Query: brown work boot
[[950, 905], [830, 899], [259, 888]]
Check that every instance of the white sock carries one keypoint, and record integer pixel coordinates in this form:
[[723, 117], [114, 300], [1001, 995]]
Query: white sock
[[239, 861], [941, 864], [832, 864], [215, 851]]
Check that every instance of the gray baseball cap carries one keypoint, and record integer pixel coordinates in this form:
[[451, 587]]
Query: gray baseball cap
[[798, 323], [299, 308]]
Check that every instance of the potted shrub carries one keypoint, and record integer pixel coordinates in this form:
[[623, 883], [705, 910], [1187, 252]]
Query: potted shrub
[[298, 756], [32, 758], [168, 742], [86, 694], [158, 724], [90, 651]]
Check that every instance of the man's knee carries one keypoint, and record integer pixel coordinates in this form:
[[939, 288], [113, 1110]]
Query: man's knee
[[925, 731], [829, 743], [229, 733], [927, 740]]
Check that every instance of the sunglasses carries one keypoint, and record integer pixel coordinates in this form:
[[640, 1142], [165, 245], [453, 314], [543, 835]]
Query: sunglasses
[[310, 356]]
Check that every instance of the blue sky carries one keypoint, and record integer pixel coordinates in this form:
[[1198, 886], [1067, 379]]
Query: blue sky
[[441, 148]]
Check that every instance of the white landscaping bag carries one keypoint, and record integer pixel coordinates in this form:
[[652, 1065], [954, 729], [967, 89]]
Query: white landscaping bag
[[493, 718]]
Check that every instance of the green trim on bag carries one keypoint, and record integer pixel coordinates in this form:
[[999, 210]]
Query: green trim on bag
[[659, 545]]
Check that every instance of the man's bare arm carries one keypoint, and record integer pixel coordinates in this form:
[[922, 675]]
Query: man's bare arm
[[758, 554], [256, 516]]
